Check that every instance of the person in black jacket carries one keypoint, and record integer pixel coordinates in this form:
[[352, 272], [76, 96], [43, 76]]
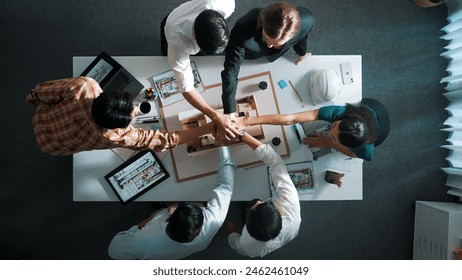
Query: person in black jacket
[[269, 32]]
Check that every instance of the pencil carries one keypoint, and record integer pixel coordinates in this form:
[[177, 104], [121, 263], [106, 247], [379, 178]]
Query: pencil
[[296, 92], [148, 117]]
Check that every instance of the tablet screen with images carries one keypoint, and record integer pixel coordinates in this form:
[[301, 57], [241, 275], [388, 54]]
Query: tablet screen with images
[[136, 176]]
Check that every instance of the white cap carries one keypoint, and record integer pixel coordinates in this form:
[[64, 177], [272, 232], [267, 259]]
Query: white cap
[[324, 85]]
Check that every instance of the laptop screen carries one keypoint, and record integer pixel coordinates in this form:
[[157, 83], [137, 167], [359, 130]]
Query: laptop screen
[[112, 76], [100, 70]]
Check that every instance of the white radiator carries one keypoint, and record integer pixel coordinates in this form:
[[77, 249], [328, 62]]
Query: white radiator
[[453, 124]]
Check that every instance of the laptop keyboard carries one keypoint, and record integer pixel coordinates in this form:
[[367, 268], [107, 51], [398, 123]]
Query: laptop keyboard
[[119, 82]]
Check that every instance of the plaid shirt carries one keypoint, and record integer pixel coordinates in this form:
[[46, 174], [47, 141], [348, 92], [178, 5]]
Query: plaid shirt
[[63, 123]]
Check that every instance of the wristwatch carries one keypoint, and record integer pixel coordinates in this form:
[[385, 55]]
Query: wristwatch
[[241, 134]]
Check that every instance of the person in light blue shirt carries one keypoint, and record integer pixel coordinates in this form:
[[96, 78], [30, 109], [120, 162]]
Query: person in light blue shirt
[[181, 229]]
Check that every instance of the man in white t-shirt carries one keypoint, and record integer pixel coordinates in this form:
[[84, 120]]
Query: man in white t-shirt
[[192, 27]]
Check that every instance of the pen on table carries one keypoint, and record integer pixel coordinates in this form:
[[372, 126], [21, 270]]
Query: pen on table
[[296, 92], [148, 117], [148, 121]]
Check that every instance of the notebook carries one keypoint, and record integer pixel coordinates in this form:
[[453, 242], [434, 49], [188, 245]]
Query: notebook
[[112, 76]]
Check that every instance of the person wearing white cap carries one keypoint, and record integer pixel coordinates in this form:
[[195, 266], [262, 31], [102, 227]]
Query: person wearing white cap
[[355, 131]]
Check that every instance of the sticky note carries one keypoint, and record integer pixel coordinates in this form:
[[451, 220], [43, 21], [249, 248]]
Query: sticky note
[[282, 84]]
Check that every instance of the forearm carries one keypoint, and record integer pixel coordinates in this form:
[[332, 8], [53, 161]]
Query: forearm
[[287, 193], [223, 190], [251, 141], [228, 96], [226, 171], [234, 56], [196, 100], [301, 46], [270, 119], [283, 119], [307, 21], [229, 83]]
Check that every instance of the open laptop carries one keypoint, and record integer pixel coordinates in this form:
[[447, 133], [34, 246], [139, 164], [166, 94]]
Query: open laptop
[[112, 76], [321, 127]]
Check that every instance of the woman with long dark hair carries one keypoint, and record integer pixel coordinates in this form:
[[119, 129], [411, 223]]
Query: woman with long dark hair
[[355, 131]]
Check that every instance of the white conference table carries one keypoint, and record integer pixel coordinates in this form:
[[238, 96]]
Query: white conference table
[[90, 167]]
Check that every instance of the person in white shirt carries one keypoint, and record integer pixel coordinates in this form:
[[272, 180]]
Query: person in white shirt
[[194, 26], [181, 229], [272, 223]]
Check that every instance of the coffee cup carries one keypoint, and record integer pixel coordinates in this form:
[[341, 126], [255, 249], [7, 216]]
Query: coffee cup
[[145, 107]]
